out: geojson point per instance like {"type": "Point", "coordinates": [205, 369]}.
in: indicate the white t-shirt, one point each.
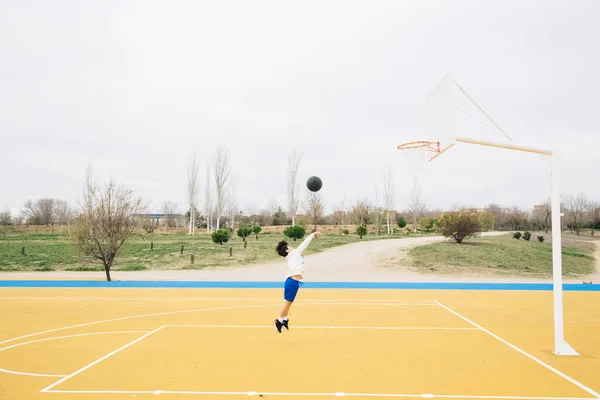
{"type": "Point", "coordinates": [295, 259]}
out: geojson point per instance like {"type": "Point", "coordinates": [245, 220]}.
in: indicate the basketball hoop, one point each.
{"type": "Point", "coordinates": [416, 152]}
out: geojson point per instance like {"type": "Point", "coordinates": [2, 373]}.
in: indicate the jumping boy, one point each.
{"type": "Point", "coordinates": [294, 275]}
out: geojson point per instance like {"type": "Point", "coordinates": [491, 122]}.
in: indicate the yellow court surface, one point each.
{"type": "Point", "coordinates": [130, 343]}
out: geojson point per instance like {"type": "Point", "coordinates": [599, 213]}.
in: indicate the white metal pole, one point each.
{"type": "Point", "coordinates": [561, 347]}
{"type": "Point", "coordinates": [510, 146]}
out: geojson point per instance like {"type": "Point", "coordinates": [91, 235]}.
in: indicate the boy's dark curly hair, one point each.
{"type": "Point", "coordinates": [281, 248]}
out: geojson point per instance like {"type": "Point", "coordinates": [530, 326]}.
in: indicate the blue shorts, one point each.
{"type": "Point", "coordinates": [290, 290]}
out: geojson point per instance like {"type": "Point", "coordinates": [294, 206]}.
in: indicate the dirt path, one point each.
{"type": "Point", "coordinates": [358, 262]}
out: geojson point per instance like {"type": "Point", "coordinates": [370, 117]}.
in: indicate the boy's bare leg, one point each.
{"type": "Point", "coordinates": [285, 309]}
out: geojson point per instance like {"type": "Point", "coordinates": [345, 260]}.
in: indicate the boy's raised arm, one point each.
{"type": "Point", "coordinates": [307, 241]}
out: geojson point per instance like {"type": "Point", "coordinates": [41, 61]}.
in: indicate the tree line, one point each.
{"type": "Point", "coordinates": [109, 214]}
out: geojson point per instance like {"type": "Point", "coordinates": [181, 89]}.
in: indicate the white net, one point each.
{"type": "Point", "coordinates": [417, 159]}
{"type": "Point", "coordinates": [418, 154]}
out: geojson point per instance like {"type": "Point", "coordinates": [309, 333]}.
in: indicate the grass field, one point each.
{"type": "Point", "coordinates": [497, 255]}
{"type": "Point", "coordinates": [46, 252]}
{"type": "Point", "coordinates": [503, 255]}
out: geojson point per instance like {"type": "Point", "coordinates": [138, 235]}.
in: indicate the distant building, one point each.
{"type": "Point", "coordinates": [178, 220]}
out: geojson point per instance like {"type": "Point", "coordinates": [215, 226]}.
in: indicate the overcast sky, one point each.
{"type": "Point", "coordinates": [135, 87]}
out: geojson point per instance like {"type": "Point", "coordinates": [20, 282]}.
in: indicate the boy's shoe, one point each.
{"type": "Point", "coordinates": [285, 324]}
{"type": "Point", "coordinates": [277, 324]}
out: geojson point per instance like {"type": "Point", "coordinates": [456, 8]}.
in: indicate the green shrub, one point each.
{"type": "Point", "coordinates": [346, 232]}
{"type": "Point", "coordinates": [540, 239]}
{"type": "Point", "coordinates": [401, 222]}
{"type": "Point", "coordinates": [459, 225]}
{"type": "Point", "coordinates": [244, 232]}
{"type": "Point", "coordinates": [221, 236]}
{"type": "Point", "coordinates": [295, 232]}
{"type": "Point", "coordinates": [517, 235]}
{"type": "Point", "coordinates": [361, 231]}
{"type": "Point", "coordinates": [256, 229]}
{"type": "Point", "coordinates": [527, 235]}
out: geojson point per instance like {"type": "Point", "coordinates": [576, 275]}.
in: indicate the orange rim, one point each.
{"type": "Point", "coordinates": [426, 145]}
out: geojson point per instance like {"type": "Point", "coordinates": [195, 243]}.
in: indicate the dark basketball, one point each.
{"type": "Point", "coordinates": [314, 184]}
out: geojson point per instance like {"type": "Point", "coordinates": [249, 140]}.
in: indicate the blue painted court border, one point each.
{"type": "Point", "coordinates": [307, 285]}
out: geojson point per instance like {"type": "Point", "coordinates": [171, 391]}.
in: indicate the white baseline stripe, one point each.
{"type": "Point", "coordinates": [218, 299]}
{"type": "Point", "coordinates": [537, 360]}
{"type": "Point", "coordinates": [370, 304]}
{"type": "Point", "coordinates": [314, 394]}
{"type": "Point", "coordinates": [400, 328]}
{"type": "Point", "coordinates": [101, 359]}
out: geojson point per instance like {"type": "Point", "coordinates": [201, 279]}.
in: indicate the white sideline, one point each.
{"type": "Point", "coordinates": [399, 328]}
{"type": "Point", "coordinates": [537, 360]}
{"type": "Point", "coordinates": [217, 299]}
{"type": "Point", "coordinates": [314, 394]}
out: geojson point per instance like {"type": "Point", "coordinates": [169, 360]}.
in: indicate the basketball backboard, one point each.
{"type": "Point", "coordinates": [440, 118]}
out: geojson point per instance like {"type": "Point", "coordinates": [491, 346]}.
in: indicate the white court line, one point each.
{"type": "Point", "coordinates": [101, 359]}
{"type": "Point", "coordinates": [399, 328]}
{"type": "Point", "coordinates": [139, 316]}
{"type": "Point", "coordinates": [217, 299]}
{"type": "Point", "coordinates": [8, 371]}
{"type": "Point", "coordinates": [197, 310]}
{"type": "Point", "coordinates": [314, 394]}
{"type": "Point", "coordinates": [369, 304]}
{"type": "Point", "coordinates": [68, 336]}
{"type": "Point", "coordinates": [537, 360]}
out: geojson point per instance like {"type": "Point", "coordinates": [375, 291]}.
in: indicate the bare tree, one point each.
{"type": "Point", "coordinates": [389, 176]}
{"type": "Point", "coordinates": [576, 211]}
{"type": "Point", "coordinates": [170, 210]}
{"type": "Point", "coordinates": [361, 211]}
{"type": "Point", "coordinates": [593, 211]}
{"type": "Point", "coordinates": [314, 207]}
{"type": "Point", "coordinates": [208, 199]}
{"type": "Point", "coordinates": [6, 218]}
{"type": "Point", "coordinates": [46, 211]}
{"type": "Point", "coordinates": [62, 212]}
{"type": "Point", "coordinates": [292, 184]}
{"type": "Point", "coordinates": [31, 214]}
{"type": "Point", "coordinates": [542, 213]}
{"type": "Point", "coordinates": [222, 176]}
{"type": "Point", "coordinates": [516, 217]}
{"type": "Point", "coordinates": [339, 214]}
{"type": "Point", "coordinates": [232, 208]}
{"type": "Point", "coordinates": [265, 217]}
{"type": "Point", "coordinates": [377, 210]}
{"type": "Point", "coordinates": [40, 212]}
{"type": "Point", "coordinates": [417, 207]}
{"type": "Point", "coordinates": [107, 219]}
{"type": "Point", "coordinates": [192, 192]}
{"type": "Point", "coordinates": [500, 214]}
